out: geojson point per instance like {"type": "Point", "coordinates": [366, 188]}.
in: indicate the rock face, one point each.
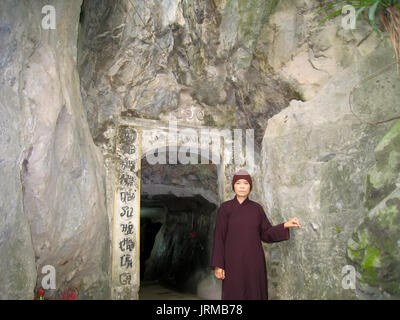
{"type": "Point", "coordinates": [191, 56]}
{"type": "Point", "coordinates": [316, 157]}
{"type": "Point", "coordinates": [375, 246]}
{"type": "Point", "coordinates": [17, 262]}
{"type": "Point", "coordinates": [316, 154]}
{"type": "Point", "coordinates": [311, 93]}
{"type": "Point", "coordinates": [180, 180]}
{"type": "Point", "coordinates": [53, 195]}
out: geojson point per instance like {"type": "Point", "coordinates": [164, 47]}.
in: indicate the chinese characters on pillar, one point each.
{"type": "Point", "coordinates": [125, 251]}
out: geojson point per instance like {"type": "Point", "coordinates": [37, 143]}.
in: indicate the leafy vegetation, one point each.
{"type": "Point", "coordinates": [389, 11]}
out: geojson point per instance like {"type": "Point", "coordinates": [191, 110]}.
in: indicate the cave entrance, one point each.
{"type": "Point", "coordinates": [177, 213]}
{"type": "Point", "coordinates": [178, 203]}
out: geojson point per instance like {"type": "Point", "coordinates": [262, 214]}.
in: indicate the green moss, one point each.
{"type": "Point", "coordinates": [370, 262]}
{"type": "Point", "coordinates": [364, 240]}
{"type": "Point", "coordinates": [374, 248]}
{"type": "Point", "coordinates": [389, 138]}
{"type": "Point", "coordinates": [354, 255]}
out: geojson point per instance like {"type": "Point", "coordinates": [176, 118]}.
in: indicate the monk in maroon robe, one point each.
{"type": "Point", "coordinates": [237, 255]}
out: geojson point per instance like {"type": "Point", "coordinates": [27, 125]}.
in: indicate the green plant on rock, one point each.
{"type": "Point", "coordinates": [389, 11]}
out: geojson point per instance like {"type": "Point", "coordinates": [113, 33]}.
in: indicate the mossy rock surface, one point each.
{"type": "Point", "coordinates": [384, 176]}
{"type": "Point", "coordinates": [375, 246]}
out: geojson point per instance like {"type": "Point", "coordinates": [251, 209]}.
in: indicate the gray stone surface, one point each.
{"type": "Point", "coordinates": [315, 158]}
{"type": "Point", "coordinates": [374, 247]}
{"type": "Point", "coordinates": [265, 65]}
{"type": "Point", "coordinates": [241, 63]}
{"type": "Point", "coordinates": [17, 262]}
{"type": "Point", "coordinates": [53, 189]}
{"type": "Point", "coordinates": [191, 53]}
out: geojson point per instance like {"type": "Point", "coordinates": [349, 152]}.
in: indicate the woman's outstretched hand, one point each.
{"type": "Point", "coordinates": [292, 223]}
{"type": "Point", "coordinates": [219, 273]}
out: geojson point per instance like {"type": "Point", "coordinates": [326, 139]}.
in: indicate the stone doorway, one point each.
{"type": "Point", "coordinates": [177, 213]}
{"type": "Point", "coordinates": [184, 206]}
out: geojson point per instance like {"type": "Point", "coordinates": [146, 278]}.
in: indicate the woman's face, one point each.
{"type": "Point", "coordinates": [242, 187]}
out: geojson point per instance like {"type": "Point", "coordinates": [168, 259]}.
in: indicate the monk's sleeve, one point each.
{"type": "Point", "coordinates": [271, 233]}
{"type": "Point", "coordinates": [218, 251]}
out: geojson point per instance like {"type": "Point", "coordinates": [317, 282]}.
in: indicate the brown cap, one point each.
{"type": "Point", "coordinates": [241, 174]}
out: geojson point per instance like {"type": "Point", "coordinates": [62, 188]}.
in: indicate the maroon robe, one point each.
{"type": "Point", "coordinates": [239, 230]}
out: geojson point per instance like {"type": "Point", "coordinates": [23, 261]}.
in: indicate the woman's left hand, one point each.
{"type": "Point", "coordinates": [292, 223]}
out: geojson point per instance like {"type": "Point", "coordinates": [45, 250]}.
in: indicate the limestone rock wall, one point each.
{"type": "Point", "coordinates": [53, 188]}
{"type": "Point", "coordinates": [374, 247]}
{"type": "Point", "coordinates": [316, 156]}
{"type": "Point", "coordinates": [186, 60]}
{"type": "Point", "coordinates": [237, 64]}
{"type": "Point", "coordinates": [17, 257]}
{"type": "Point", "coordinates": [181, 180]}
{"type": "Point", "coordinates": [310, 93]}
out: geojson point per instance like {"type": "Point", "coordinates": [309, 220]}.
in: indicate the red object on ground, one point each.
{"type": "Point", "coordinates": [69, 295]}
